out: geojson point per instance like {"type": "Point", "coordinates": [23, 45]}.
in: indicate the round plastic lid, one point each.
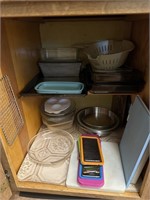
{"type": "Point", "coordinates": [56, 105]}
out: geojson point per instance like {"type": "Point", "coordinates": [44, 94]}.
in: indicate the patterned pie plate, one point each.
{"type": "Point", "coordinates": [51, 148]}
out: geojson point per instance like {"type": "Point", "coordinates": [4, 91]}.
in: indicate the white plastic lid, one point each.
{"type": "Point", "coordinates": [56, 105]}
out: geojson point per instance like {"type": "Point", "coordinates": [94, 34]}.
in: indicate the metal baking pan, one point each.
{"type": "Point", "coordinates": [50, 87]}
{"type": "Point", "coordinates": [116, 88]}
{"type": "Point", "coordinates": [60, 69]}
{"type": "Point", "coordinates": [123, 75]}
{"type": "Point", "coordinates": [97, 120]}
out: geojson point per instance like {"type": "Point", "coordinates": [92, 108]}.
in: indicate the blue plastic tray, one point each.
{"type": "Point", "coordinates": [53, 87]}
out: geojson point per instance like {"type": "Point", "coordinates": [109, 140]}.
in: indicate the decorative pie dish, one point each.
{"type": "Point", "coordinates": [51, 148]}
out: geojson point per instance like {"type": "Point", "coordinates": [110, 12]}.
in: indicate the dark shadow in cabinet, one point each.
{"type": "Point", "coordinates": [123, 80]}
{"type": "Point", "coordinates": [49, 196]}
{"type": "Point", "coordinates": [120, 106]}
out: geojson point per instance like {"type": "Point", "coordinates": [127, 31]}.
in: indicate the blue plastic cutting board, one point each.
{"type": "Point", "coordinates": [135, 139]}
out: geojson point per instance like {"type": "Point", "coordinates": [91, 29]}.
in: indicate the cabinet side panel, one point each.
{"type": "Point", "coordinates": [140, 60]}
{"type": "Point", "coordinates": [140, 37]}
{"type": "Point", "coordinates": [16, 152]}
{"type": "Point", "coordinates": [24, 46]}
{"type": "Point", "coordinates": [31, 107]}
{"type": "Point", "coordinates": [19, 146]}
{"type": "Point", "coordinates": [144, 192]}
{"type": "Point", "coordinates": [24, 43]}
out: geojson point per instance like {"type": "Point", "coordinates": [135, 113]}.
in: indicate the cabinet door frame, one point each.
{"type": "Point", "coordinates": [10, 8]}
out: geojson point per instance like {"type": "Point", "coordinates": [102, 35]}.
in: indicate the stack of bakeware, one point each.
{"type": "Point", "coordinates": [121, 80]}
{"type": "Point", "coordinates": [96, 120]}
{"type": "Point", "coordinates": [58, 112]}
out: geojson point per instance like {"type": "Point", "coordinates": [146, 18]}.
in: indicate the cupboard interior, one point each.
{"type": "Point", "coordinates": [22, 39]}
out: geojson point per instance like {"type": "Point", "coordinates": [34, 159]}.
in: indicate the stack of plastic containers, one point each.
{"type": "Point", "coordinates": [91, 161]}
{"type": "Point", "coordinates": [58, 112]}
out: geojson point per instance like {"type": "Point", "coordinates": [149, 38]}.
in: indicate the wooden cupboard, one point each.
{"type": "Point", "coordinates": [27, 26]}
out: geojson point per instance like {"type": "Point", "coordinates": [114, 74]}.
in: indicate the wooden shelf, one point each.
{"type": "Point", "coordinates": [101, 87]}
{"type": "Point", "coordinates": [30, 91]}
{"type": "Point", "coordinates": [63, 190]}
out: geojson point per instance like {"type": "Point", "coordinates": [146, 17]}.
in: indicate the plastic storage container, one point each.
{"type": "Point", "coordinates": [63, 119]}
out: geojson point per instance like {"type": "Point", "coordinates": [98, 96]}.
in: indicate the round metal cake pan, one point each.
{"type": "Point", "coordinates": [97, 120]}
{"type": "Point", "coordinates": [97, 117]}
